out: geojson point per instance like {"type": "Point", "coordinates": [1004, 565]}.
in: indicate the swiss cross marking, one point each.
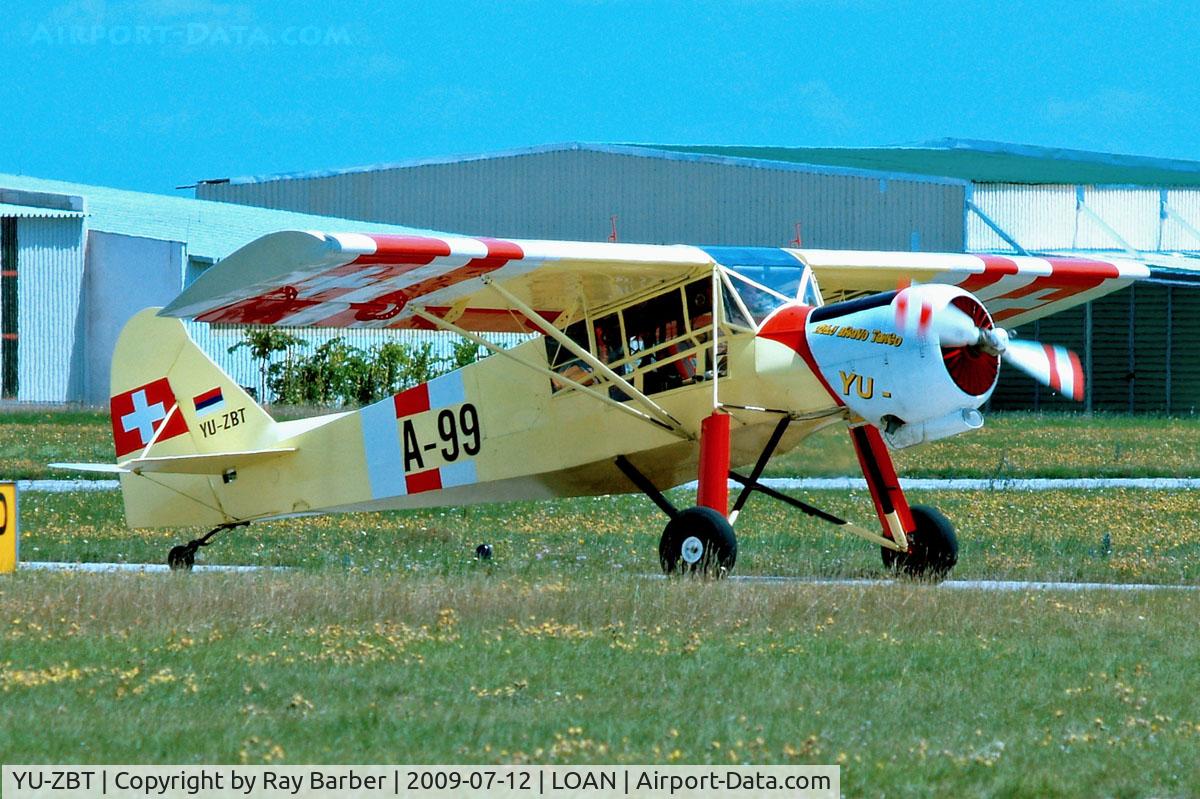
{"type": "Point", "coordinates": [143, 417]}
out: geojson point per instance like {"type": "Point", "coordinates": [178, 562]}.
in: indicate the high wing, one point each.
{"type": "Point", "coordinates": [351, 280]}
{"type": "Point", "coordinates": [1015, 289]}
{"type": "Point", "coordinates": [354, 280]}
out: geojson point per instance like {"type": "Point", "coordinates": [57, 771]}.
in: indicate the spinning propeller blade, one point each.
{"type": "Point", "coordinates": [1050, 365]}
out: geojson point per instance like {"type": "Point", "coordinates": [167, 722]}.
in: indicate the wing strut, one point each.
{"type": "Point", "coordinates": [154, 438]}
{"type": "Point", "coordinates": [442, 324]}
{"type": "Point", "coordinates": [623, 385]}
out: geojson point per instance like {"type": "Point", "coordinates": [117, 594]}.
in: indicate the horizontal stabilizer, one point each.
{"type": "Point", "coordinates": [208, 463]}
{"type": "Point", "coordinates": [101, 468]}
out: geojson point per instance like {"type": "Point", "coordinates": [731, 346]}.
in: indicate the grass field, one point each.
{"type": "Point", "coordinates": [915, 690]}
{"type": "Point", "coordinates": [387, 641]}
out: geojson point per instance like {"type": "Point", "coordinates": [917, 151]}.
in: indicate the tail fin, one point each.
{"type": "Point", "coordinates": [170, 403]}
{"type": "Point", "coordinates": [167, 392]}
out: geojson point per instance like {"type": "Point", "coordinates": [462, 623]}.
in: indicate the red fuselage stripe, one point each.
{"type": "Point", "coordinates": [423, 481]}
{"type": "Point", "coordinates": [414, 400]}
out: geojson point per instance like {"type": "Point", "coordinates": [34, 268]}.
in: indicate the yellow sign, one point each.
{"type": "Point", "coordinates": [9, 528]}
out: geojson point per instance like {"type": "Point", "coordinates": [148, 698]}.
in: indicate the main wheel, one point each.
{"type": "Point", "coordinates": [181, 558]}
{"type": "Point", "coordinates": [698, 540]}
{"type": "Point", "coordinates": [932, 548]}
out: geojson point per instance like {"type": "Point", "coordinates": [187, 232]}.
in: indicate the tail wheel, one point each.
{"type": "Point", "coordinates": [698, 540]}
{"type": "Point", "coordinates": [932, 547]}
{"type": "Point", "coordinates": [181, 558]}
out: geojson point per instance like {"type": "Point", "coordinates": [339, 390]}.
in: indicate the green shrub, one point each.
{"type": "Point", "coordinates": [338, 373]}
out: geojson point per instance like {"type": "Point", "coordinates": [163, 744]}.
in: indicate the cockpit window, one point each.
{"type": "Point", "coordinates": [758, 302]}
{"type": "Point", "coordinates": [810, 293]}
{"type": "Point", "coordinates": [563, 361]}
{"type": "Point", "coordinates": [785, 280]}
{"type": "Point", "coordinates": [786, 284]}
{"type": "Point", "coordinates": [609, 344]}
{"type": "Point", "coordinates": [697, 296]}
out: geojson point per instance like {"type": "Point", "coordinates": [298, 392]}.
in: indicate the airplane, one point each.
{"type": "Point", "coordinates": [646, 367]}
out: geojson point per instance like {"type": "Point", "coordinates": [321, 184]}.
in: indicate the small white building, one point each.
{"type": "Point", "coordinates": [77, 261]}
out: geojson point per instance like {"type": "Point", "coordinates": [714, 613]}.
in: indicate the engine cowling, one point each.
{"type": "Point", "coordinates": [878, 357]}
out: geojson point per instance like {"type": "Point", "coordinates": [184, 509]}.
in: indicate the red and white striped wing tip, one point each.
{"type": "Point", "coordinates": [1050, 365]}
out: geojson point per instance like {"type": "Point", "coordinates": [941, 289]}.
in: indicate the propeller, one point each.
{"type": "Point", "coordinates": [1051, 365]}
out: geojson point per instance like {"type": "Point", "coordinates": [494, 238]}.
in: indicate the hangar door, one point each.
{"type": "Point", "coordinates": [8, 308]}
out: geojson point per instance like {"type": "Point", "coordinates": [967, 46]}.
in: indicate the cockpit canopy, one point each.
{"type": "Point", "coordinates": [767, 277]}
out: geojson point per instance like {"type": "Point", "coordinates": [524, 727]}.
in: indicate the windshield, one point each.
{"type": "Point", "coordinates": [767, 277]}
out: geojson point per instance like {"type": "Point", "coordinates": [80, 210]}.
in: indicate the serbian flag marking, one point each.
{"type": "Point", "coordinates": [210, 401]}
{"type": "Point", "coordinates": [137, 414]}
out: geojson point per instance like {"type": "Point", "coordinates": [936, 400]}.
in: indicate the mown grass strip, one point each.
{"type": "Point", "coordinates": [915, 691]}
{"type": "Point", "coordinates": [1101, 536]}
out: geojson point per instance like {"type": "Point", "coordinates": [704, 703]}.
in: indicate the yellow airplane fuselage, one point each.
{"type": "Point", "coordinates": [488, 432]}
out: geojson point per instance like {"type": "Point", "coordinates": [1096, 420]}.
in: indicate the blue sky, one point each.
{"type": "Point", "coordinates": [150, 94]}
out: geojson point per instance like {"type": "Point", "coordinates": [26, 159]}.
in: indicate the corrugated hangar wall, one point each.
{"type": "Point", "coordinates": [51, 274]}
{"type": "Point", "coordinates": [1140, 356]}
{"type": "Point", "coordinates": [572, 194]}
{"type": "Point", "coordinates": [1137, 344]}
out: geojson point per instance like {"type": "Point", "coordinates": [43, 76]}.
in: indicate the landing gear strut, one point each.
{"type": "Point", "coordinates": [183, 556]}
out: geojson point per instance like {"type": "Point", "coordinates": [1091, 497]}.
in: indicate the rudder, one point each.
{"type": "Point", "coordinates": [165, 389]}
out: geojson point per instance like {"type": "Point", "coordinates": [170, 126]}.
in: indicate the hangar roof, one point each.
{"type": "Point", "coordinates": [940, 161]}
{"type": "Point", "coordinates": [36, 212]}
{"type": "Point", "coordinates": [977, 161]}
{"type": "Point", "coordinates": [210, 229]}
{"type": "Point", "coordinates": [670, 153]}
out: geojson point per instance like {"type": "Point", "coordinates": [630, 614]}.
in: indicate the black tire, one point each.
{"type": "Point", "coordinates": [181, 558]}
{"type": "Point", "coordinates": [711, 546]}
{"type": "Point", "coordinates": [932, 548]}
